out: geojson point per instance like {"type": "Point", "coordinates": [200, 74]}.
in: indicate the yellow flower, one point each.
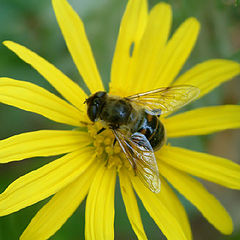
{"type": "Point", "coordinates": [90, 164]}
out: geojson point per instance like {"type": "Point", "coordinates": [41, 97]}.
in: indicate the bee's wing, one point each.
{"type": "Point", "coordinates": [140, 154]}
{"type": "Point", "coordinates": [164, 100]}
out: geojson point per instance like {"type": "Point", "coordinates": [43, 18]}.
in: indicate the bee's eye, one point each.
{"type": "Point", "coordinates": [92, 112]}
{"type": "Point", "coordinates": [96, 101]}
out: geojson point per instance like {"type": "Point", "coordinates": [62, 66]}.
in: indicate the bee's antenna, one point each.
{"type": "Point", "coordinates": [101, 130]}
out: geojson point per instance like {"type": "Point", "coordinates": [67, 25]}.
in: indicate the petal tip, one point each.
{"type": "Point", "coordinates": [6, 43]}
{"type": "Point", "coordinates": [163, 7]}
{"type": "Point", "coordinates": [228, 228]}
{"type": "Point", "coordinates": [164, 4]}
{"type": "Point", "coordinates": [238, 67]}
{"type": "Point", "coordinates": [195, 21]}
{"type": "Point", "coordinates": [9, 44]}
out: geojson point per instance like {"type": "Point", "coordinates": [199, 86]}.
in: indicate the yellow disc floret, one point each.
{"type": "Point", "coordinates": [106, 150]}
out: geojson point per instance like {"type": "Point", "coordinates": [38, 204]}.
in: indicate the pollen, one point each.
{"type": "Point", "coordinates": [106, 150]}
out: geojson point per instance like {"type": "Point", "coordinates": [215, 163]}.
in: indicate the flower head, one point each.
{"type": "Point", "coordinates": [145, 59]}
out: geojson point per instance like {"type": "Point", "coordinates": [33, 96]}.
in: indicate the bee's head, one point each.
{"type": "Point", "coordinates": [95, 104]}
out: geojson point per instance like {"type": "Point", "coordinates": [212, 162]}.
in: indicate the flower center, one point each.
{"type": "Point", "coordinates": [106, 150]}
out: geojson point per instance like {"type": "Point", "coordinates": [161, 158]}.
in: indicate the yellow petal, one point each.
{"type": "Point", "coordinates": [45, 181]}
{"type": "Point", "coordinates": [212, 168]}
{"type": "Point", "coordinates": [146, 58]}
{"type": "Point", "coordinates": [171, 201]}
{"type": "Point", "coordinates": [176, 52]}
{"type": "Point", "coordinates": [164, 218]}
{"type": "Point", "coordinates": [131, 30]}
{"type": "Point", "coordinates": [210, 74]}
{"type": "Point", "coordinates": [100, 205]}
{"type": "Point", "coordinates": [203, 121]}
{"type": "Point", "coordinates": [41, 143]}
{"type": "Point", "coordinates": [69, 89]}
{"type": "Point", "coordinates": [194, 191]}
{"type": "Point", "coordinates": [131, 205]}
{"type": "Point", "coordinates": [30, 97]}
{"type": "Point", "coordinates": [62, 205]}
{"type": "Point", "coordinates": [74, 34]}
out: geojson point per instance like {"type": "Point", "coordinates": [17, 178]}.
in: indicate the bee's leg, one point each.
{"type": "Point", "coordinates": [106, 164]}
{"type": "Point", "coordinates": [134, 168]}
{"type": "Point", "coordinates": [101, 130]}
{"type": "Point", "coordinates": [114, 141]}
{"type": "Point", "coordinates": [84, 123]}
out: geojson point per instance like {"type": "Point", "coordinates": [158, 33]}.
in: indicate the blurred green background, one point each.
{"type": "Point", "coordinates": [33, 24]}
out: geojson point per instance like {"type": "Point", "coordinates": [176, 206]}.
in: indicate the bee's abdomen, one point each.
{"type": "Point", "coordinates": [153, 130]}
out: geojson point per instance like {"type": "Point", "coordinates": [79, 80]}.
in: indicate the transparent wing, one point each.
{"type": "Point", "coordinates": [165, 100]}
{"type": "Point", "coordinates": [140, 154]}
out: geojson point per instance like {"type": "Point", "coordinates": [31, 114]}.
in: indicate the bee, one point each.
{"type": "Point", "coordinates": [135, 123]}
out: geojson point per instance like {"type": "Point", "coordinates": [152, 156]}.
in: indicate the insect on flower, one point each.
{"type": "Point", "coordinates": [135, 123]}
{"type": "Point", "coordinates": [126, 127]}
